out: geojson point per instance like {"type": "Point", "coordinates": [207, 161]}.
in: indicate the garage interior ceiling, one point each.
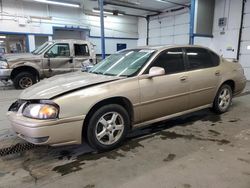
{"type": "Point", "coordinates": [130, 7]}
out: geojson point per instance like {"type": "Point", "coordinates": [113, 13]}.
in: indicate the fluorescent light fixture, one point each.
{"type": "Point", "coordinates": [248, 47]}
{"type": "Point", "coordinates": [111, 12]}
{"type": "Point", "coordinates": [58, 3]}
{"type": "Point", "coordinates": [1, 41]}
{"type": "Point", "coordinates": [2, 37]}
{"type": "Point", "coordinates": [98, 11]}
{"type": "Point", "coordinates": [162, 1]}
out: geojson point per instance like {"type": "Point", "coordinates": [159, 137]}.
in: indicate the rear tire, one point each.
{"type": "Point", "coordinates": [24, 80]}
{"type": "Point", "coordinates": [223, 99]}
{"type": "Point", "coordinates": [108, 127]}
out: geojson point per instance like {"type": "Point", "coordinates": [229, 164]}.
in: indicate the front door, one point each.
{"type": "Point", "coordinates": [57, 60]}
{"type": "Point", "coordinates": [167, 94]}
{"type": "Point", "coordinates": [203, 76]}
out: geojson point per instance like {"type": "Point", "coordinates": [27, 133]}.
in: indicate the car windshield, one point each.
{"type": "Point", "coordinates": [126, 63]}
{"type": "Point", "coordinates": [41, 48]}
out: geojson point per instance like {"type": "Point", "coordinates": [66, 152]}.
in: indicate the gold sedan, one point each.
{"type": "Point", "coordinates": [128, 89]}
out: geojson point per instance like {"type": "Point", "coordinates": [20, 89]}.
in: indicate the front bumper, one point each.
{"type": "Point", "coordinates": [58, 132]}
{"type": "Point", "coordinates": [5, 74]}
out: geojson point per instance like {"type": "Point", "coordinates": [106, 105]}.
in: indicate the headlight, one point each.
{"type": "Point", "coordinates": [41, 111]}
{"type": "Point", "coordinates": [4, 65]}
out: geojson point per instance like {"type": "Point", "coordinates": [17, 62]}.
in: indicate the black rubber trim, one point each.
{"type": "Point", "coordinates": [84, 87]}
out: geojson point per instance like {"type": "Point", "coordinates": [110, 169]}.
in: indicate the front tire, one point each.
{"type": "Point", "coordinates": [223, 99]}
{"type": "Point", "coordinates": [108, 127]}
{"type": "Point", "coordinates": [24, 80]}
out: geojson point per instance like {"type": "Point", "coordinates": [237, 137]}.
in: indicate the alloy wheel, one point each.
{"type": "Point", "coordinates": [109, 128]}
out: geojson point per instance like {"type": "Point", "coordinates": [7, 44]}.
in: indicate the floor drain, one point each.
{"type": "Point", "coordinates": [17, 148]}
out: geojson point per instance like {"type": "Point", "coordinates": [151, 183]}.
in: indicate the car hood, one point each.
{"type": "Point", "coordinates": [19, 57]}
{"type": "Point", "coordinates": [60, 84]}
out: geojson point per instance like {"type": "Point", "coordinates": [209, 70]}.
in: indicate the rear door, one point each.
{"type": "Point", "coordinates": [82, 55]}
{"type": "Point", "coordinates": [58, 60]}
{"type": "Point", "coordinates": [167, 94]}
{"type": "Point", "coordinates": [203, 75]}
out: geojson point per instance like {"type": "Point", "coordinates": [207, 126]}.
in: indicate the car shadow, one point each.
{"type": "Point", "coordinates": [139, 134]}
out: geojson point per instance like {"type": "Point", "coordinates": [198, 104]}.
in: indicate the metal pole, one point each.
{"type": "Point", "coordinates": [102, 28]}
{"type": "Point", "coordinates": [192, 17]}
{"type": "Point", "coordinates": [241, 28]}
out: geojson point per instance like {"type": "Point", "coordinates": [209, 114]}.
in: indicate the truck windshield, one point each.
{"type": "Point", "coordinates": [126, 63]}
{"type": "Point", "coordinates": [41, 48]}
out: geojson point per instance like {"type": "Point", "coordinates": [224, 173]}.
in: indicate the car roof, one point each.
{"type": "Point", "coordinates": [71, 40]}
{"type": "Point", "coordinates": [162, 47]}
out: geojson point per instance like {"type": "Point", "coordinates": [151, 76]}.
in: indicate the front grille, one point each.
{"type": "Point", "coordinates": [16, 105]}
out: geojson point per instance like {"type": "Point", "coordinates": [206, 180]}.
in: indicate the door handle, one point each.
{"type": "Point", "coordinates": [183, 78]}
{"type": "Point", "coordinates": [217, 73]}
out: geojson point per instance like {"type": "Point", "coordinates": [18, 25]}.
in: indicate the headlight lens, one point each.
{"type": "Point", "coordinates": [41, 111]}
{"type": "Point", "coordinates": [4, 65]}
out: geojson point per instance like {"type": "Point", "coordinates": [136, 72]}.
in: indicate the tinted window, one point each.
{"type": "Point", "coordinates": [171, 60]}
{"type": "Point", "coordinates": [215, 59]}
{"type": "Point", "coordinates": [61, 50]}
{"type": "Point", "coordinates": [198, 58]}
{"type": "Point", "coordinates": [81, 50]}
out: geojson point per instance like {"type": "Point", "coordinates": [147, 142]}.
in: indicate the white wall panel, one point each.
{"type": "Point", "coordinates": [167, 40]}
{"type": "Point", "coordinates": [245, 44]}
{"type": "Point", "coordinates": [181, 29]}
{"type": "Point", "coordinates": [110, 44]}
{"type": "Point", "coordinates": [167, 21]}
{"type": "Point", "coordinates": [181, 39]}
{"type": "Point", "coordinates": [169, 28]}
{"type": "Point", "coordinates": [203, 41]}
{"type": "Point", "coordinates": [155, 41]}
{"type": "Point", "coordinates": [156, 32]}
{"type": "Point", "coordinates": [246, 33]}
{"type": "Point", "coordinates": [167, 31]}
{"type": "Point", "coordinates": [154, 24]}
{"type": "Point", "coordinates": [245, 61]}
{"type": "Point", "coordinates": [182, 19]}
{"type": "Point", "coordinates": [40, 20]}
{"type": "Point", "coordinates": [245, 48]}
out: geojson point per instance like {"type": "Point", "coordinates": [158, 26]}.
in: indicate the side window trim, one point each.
{"type": "Point", "coordinates": [163, 51]}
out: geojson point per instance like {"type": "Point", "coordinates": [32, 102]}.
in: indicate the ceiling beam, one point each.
{"type": "Point", "coordinates": [174, 3]}
{"type": "Point", "coordinates": [120, 4]}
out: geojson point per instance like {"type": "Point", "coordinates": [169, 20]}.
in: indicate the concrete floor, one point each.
{"type": "Point", "coordinates": [200, 150]}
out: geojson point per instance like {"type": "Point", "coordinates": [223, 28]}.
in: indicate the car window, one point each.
{"type": "Point", "coordinates": [124, 63]}
{"type": "Point", "coordinates": [171, 60]}
{"type": "Point", "coordinates": [81, 50]}
{"type": "Point", "coordinates": [59, 50]}
{"type": "Point", "coordinates": [215, 58]}
{"type": "Point", "coordinates": [198, 58]}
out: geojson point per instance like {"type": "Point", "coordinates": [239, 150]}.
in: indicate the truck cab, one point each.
{"type": "Point", "coordinates": [51, 58]}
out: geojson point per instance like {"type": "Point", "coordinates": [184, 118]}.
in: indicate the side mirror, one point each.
{"type": "Point", "coordinates": [156, 71]}
{"type": "Point", "coordinates": [49, 55]}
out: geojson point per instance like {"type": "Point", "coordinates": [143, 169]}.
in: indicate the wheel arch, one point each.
{"type": "Point", "coordinates": [123, 101]}
{"type": "Point", "coordinates": [229, 82]}
{"type": "Point", "coordinates": [24, 68]}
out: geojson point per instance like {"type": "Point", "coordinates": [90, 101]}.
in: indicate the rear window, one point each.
{"type": "Point", "coordinates": [81, 50]}
{"type": "Point", "coordinates": [215, 58]}
{"type": "Point", "coordinates": [199, 58]}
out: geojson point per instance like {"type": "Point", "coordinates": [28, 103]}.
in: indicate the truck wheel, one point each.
{"type": "Point", "coordinates": [108, 127]}
{"type": "Point", "coordinates": [24, 80]}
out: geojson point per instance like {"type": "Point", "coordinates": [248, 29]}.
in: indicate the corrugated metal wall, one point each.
{"type": "Point", "coordinates": [171, 28]}
{"type": "Point", "coordinates": [245, 41]}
